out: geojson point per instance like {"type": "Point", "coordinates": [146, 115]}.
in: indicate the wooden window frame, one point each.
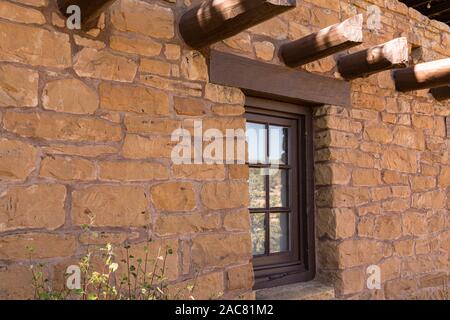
{"type": "Point", "coordinates": [299, 264]}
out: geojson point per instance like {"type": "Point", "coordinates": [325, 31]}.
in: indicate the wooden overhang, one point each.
{"type": "Point", "coordinates": [433, 9]}
{"type": "Point", "coordinates": [271, 81]}
{"type": "Point", "coordinates": [423, 76]}
{"type": "Point", "coordinates": [213, 21]}
{"type": "Point", "coordinates": [441, 93]}
{"type": "Point", "coordinates": [326, 42]}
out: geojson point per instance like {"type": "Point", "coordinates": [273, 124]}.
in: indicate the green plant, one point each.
{"type": "Point", "coordinates": [143, 278]}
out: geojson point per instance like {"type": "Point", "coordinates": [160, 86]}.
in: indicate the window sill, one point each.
{"type": "Point", "coordinates": [311, 290]}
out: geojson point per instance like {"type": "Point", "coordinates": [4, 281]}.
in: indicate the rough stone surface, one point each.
{"type": "Point", "coordinates": [86, 120]}
{"type": "Point", "coordinates": [18, 87]}
{"type": "Point", "coordinates": [17, 159]}
{"type": "Point", "coordinates": [71, 96]}
{"type": "Point", "coordinates": [111, 206]}
{"type": "Point", "coordinates": [38, 206]}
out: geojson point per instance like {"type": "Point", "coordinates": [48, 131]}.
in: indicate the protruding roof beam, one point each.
{"type": "Point", "coordinates": [441, 93]}
{"type": "Point", "coordinates": [423, 76]}
{"type": "Point", "coordinates": [390, 55]}
{"type": "Point", "coordinates": [216, 20]}
{"type": "Point", "coordinates": [326, 42]}
{"type": "Point", "coordinates": [90, 9]}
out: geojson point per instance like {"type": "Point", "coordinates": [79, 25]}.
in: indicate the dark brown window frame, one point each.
{"type": "Point", "coordinates": [299, 264]}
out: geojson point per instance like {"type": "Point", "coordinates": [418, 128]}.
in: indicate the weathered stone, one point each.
{"type": "Point", "coordinates": [193, 66]}
{"type": "Point", "coordinates": [414, 224]}
{"type": "Point", "coordinates": [429, 200]}
{"type": "Point", "coordinates": [103, 238]}
{"type": "Point", "coordinates": [38, 206]}
{"type": "Point", "coordinates": [65, 168]}
{"type": "Point", "coordinates": [85, 42]}
{"type": "Point", "coordinates": [444, 177]}
{"type": "Point", "coordinates": [24, 44]}
{"type": "Point", "coordinates": [69, 95]}
{"type": "Point", "coordinates": [150, 125]}
{"type": "Point", "coordinates": [400, 288]}
{"type": "Point", "coordinates": [351, 281]}
{"type": "Point", "coordinates": [18, 87]}
{"type": "Point", "coordinates": [218, 250]}
{"type": "Point", "coordinates": [409, 138]}
{"type": "Point", "coordinates": [16, 247]}
{"type": "Point", "coordinates": [399, 160]}
{"type": "Point", "coordinates": [36, 3]}
{"type": "Point", "coordinates": [17, 159]}
{"type": "Point", "coordinates": [172, 51]}
{"type": "Point", "coordinates": [144, 18]}
{"type": "Point", "coordinates": [337, 139]}
{"type": "Point", "coordinates": [142, 46]}
{"type": "Point", "coordinates": [388, 227]}
{"type": "Point", "coordinates": [132, 171]}
{"type": "Point", "coordinates": [352, 253]}
{"type": "Point", "coordinates": [378, 133]}
{"type": "Point", "coordinates": [237, 221]}
{"type": "Point", "coordinates": [227, 110]}
{"type": "Point", "coordinates": [84, 151]}
{"type": "Point", "coordinates": [104, 65]}
{"type": "Point", "coordinates": [20, 14]}
{"type": "Point", "coordinates": [240, 277]}
{"type": "Point", "coordinates": [133, 99]}
{"type": "Point", "coordinates": [420, 183]}
{"type": "Point", "coordinates": [155, 67]}
{"type": "Point", "coordinates": [205, 287]}
{"type": "Point", "coordinates": [16, 280]}
{"type": "Point", "coordinates": [241, 42]}
{"type": "Point", "coordinates": [110, 206]}
{"type": "Point", "coordinates": [264, 50]}
{"type": "Point", "coordinates": [51, 126]}
{"type": "Point", "coordinates": [221, 94]}
{"type": "Point", "coordinates": [326, 174]}
{"type": "Point", "coordinates": [199, 172]}
{"type": "Point", "coordinates": [189, 107]}
{"type": "Point", "coordinates": [224, 195]}
{"type": "Point", "coordinates": [178, 87]}
{"type": "Point", "coordinates": [137, 147]}
{"type": "Point", "coordinates": [336, 223]}
{"type": "Point", "coordinates": [366, 177]}
{"type": "Point", "coordinates": [174, 196]}
{"type": "Point", "coordinates": [176, 224]}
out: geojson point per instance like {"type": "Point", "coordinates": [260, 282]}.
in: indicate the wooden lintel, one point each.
{"type": "Point", "coordinates": [326, 42]}
{"type": "Point", "coordinates": [423, 76]}
{"type": "Point", "coordinates": [90, 9]}
{"type": "Point", "coordinates": [213, 20]}
{"type": "Point", "coordinates": [277, 82]}
{"type": "Point", "coordinates": [390, 55]}
{"type": "Point", "coordinates": [441, 93]}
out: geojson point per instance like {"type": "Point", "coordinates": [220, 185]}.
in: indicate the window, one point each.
{"type": "Point", "coordinates": [279, 137]}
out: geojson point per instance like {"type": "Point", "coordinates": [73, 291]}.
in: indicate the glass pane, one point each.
{"type": "Point", "coordinates": [279, 232]}
{"type": "Point", "coordinates": [257, 188]}
{"type": "Point", "coordinates": [278, 144]}
{"type": "Point", "coordinates": [257, 143]}
{"type": "Point", "coordinates": [278, 188]}
{"type": "Point", "coordinates": [258, 233]}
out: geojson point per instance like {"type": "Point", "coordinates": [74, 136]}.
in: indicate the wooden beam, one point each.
{"type": "Point", "coordinates": [441, 93]}
{"type": "Point", "coordinates": [90, 9]}
{"type": "Point", "coordinates": [390, 55]}
{"type": "Point", "coordinates": [326, 42]}
{"type": "Point", "coordinates": [423, 76]}
{"type": "Point", "coordinates": [275, 82]}
{"type": "Point", "coordinates": [216, 20]}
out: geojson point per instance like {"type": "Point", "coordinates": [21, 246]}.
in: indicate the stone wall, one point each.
{"type": "Point", "coordinates": [85, 124]}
